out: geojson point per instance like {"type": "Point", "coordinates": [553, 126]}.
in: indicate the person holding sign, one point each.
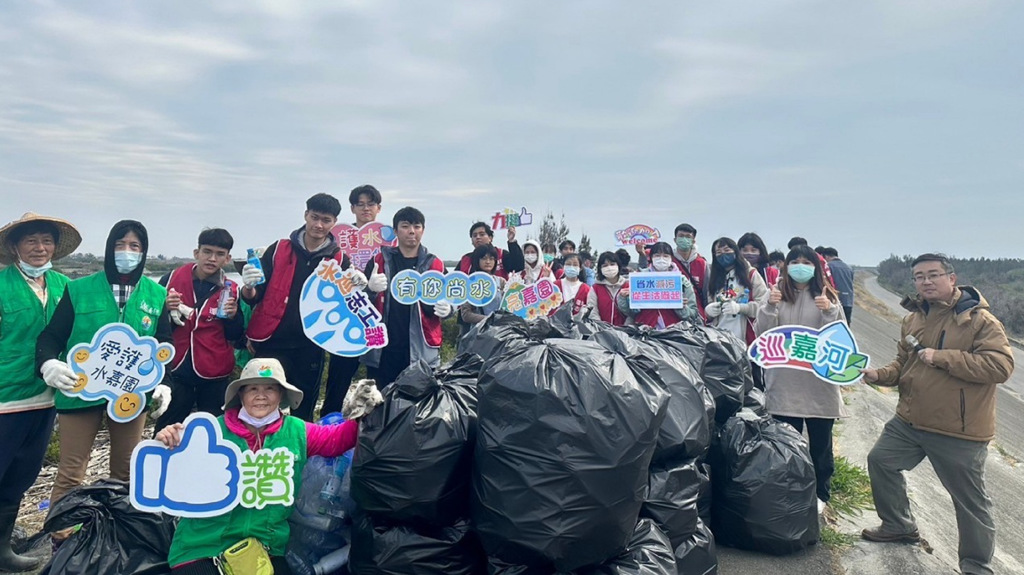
{"type": "Point", "coordinates": [573, 289]}
{"type": "Point", "coordinates": [736, 290]}
{"type": "Point", "coordinates": [275, 329]}
{"type": "Point", "coordinates": [510, 260]}
{"type": "Point", "coordinates": [803, 297]}
{"type": "Point", "coordinates": [660, 318]}
{"type": "Point", "coordinates": [254, 422]}
{"type": "Point", "coordinates": [414, 331]}
{"type": "Point", "coordinates": [29, 292]}
{"type": "Point", "coordinates": [118, 294]}
{"type": "Point", "coordinates": [484, 259]}
{"type": "Point", "coordinates": [604, 296]}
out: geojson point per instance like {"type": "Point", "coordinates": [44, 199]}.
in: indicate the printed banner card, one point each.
{"type": "Point", "coordinates": [830, 353]}
{"type": "Point", "coordinates": [361, 244]}
{"type": "Point", "coordinates": [457, 288]}
{"type": "Point", "coordinates": [120, 366]}
{"type": "Point", "coordinates": [510, 218]}
{"type": "Point", "coordinates": [208, 475]}
{"type": "Point", "coordinates": [656, 290]}
{"type": "Point", "coordinates": [337, 315]}
{"type": "Point", "coordinates": [532, 301]}
{"type": "Point", "coordinates": [637, 234]}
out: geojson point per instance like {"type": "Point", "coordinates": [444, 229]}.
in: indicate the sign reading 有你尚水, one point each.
{"type": "Point", "coordinates": [830, 352]}
{"type": "Point", "coordinates": [456, 288]}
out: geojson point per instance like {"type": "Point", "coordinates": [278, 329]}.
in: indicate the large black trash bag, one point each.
{"type": "Point", "coordinates": [381, 548]}
{"type": "Point", "coordinates": [697, 555]}
{"type": "Point", "coordinates": [755, 401]}
{"type": "Point", "coordinates": [115, 538]}
{"type": "Point", "coordinates": [764, 488]}
{"type": "Point", "coordinates": [502, 331]}
{"type": "Point", "coordinates": [584, 326]}
{"type": "Point", "coordinates": [672, 497]}
{"type": "Point", "coordinates": [649, 553]}
{"type": "Point", "coordinates": [567, 431]}
{"type": "Point", "coordinates": [412, 462]}
{"type": "Point", "coordinates": [704, 494]}
{"type": "Point", "coordinates": [685, 433]}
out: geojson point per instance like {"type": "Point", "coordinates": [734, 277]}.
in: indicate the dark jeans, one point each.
{"type": "Point", "coordinates": [23, 440]}
{"type": "Point", "coordinates": [339, 377]}
{"type": "Point", "coordinates": [303, 366]}
{"type": "Point", "coordinates": [849, 314]}
{"type": "Point", "coordinates": [819, 436]}
{"type": "Point", "coordinates": [188, 390]}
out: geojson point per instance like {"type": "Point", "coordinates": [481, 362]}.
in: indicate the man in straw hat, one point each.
{"type": "Point", "coordinates": [29, 292]}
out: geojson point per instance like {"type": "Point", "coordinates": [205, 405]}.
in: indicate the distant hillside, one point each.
{"type": "Point", "coordinates": [1000, 281]}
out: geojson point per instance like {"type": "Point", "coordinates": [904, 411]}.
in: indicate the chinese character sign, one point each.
{"type": "Point", "coordinates": [532, 301]}
{"type": "Point", "coordinates": [337, 315]}
{"type": "Point", "coordinates": [830, 353]}
{"type": "Point", "coordinates": [510, 218]}
{"type": "Point", "coordinates": [457, 288]}
{"type": "Point", "coordinates": [361, 244]}
{"type": "Point", "coordinates": [656, 290]}
{"type": "Point", "coordinates": [207, 475]}
{"type": "Point", "coordinates": [637, 234]}
{"type": "Point", "coordinates": [120, 366]}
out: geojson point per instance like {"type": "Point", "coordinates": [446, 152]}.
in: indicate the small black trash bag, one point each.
{"type": "Point", "coordinates": [567, 431]}
{"type": "Point", "coordinates": [697, 555]}
{"type": "Point", "coordinates": [672, 498]}
{"type": "Point", "coordinates": [686, 432]}
{"type": "Point", "coordinates": [764, 488]}
{"type": "Point", "coordinates": [381, 548]}
{"type": "Point", "coordinates": [412, 462]}
{"type": "Point", "coordinates": [501, 331]}
{"type": "Point", "coordinates": [115, 538]}
{"type": "Point", "coordinates": [648, 553]}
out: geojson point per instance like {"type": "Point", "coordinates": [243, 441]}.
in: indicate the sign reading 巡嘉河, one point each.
{"type": "Point", "coordinates": [830, 352]}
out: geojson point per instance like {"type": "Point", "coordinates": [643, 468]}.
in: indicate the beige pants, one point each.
{"type": "Point", "coordinates": [78, 432]}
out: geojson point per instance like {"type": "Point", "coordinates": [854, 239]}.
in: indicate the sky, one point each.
{"type": "Point", "coordinates": [876, 127]}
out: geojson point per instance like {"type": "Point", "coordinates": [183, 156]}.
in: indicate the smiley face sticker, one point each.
{"type": "Point", "coordinates": [128, 405]}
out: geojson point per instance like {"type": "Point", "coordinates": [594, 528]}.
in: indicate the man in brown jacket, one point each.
{"type": "Point", "coordinates": [947, 376]}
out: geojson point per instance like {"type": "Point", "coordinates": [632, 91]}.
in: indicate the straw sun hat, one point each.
{"type": "Point", "coordinates": [262, 370]}
{"type": "Point", "coordinates": [67, 242]}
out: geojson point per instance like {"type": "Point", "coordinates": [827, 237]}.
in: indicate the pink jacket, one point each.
{"type": "Point", "coordinates": [323, 440]}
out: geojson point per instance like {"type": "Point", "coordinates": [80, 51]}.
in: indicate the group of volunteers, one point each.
{"type": "Point", "coordinates": [945, 412]}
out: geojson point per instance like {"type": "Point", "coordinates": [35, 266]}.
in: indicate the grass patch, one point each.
{"type": "Point", "coordinates": [836, 540]}
{"type": "Point", "coordinates": [851, 488]}
{"type": "Point", "coordinates": [1006, 455]}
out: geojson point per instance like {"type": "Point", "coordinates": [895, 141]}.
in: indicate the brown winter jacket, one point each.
{"type": "Point", "coordinates": [956, 396]}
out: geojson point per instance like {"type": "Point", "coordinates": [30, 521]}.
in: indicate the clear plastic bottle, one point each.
{"type": "Point", "coordinates": [225, 293]}
{"type": "Point", "coordinates": [254, 260]}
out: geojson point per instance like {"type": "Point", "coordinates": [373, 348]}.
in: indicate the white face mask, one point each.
{"type": "Point", "coordinates": [261, 421]}
{"type": "Point", "coordinates": [662, 263]}
{"type": "Point", "coordinates": [33, 271]}
{"type": "Point", "coordinates": [530, 258]}
{"type": "Point", "coordinates": [126, 261]}
{"type": "Point", "coordinates": [610, 271]}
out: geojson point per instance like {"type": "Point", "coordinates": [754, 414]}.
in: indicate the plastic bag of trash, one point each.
{"type": "Point", "coordinates": [413, 458]}
{"type": "Point", "coordinates": [567, 431]}
{"type": "Point", "coordinates": [381, 548]}
{"type": "Point", "coordinates": [685, 433]}
{"type": "Point", "coordinates": [697, 555]}
{"type": "Point", "coordinates": [501, 331]}
{"type": "Point", "coordinates": [672, 496]}
{"type": "Point", "coordinates": [115, 537]}
{"type": "Point", "coordinates": [764, 487]}
{"type": "Point", "coordinates": [648, 553]}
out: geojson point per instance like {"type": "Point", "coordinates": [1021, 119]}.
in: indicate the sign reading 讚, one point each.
{"type": "Point", "coordinates": [457, 288]}
{"type": "Point", "coordinates": [830, 352]}
{"type": "Point", "coordinates": [120, 366]}
{"type": "Point", "coordinates": [337, 315]}
{"type": "Point", "coordinates": [656, 290]}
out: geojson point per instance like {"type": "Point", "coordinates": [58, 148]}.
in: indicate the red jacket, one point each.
{"type": "Point", "coordinates": [606, 308]}
{"type": "Point", "coordinates": [466, 264]}
{"type": "Point", "coordinates": [203, 333]}
{"type": "Point", "coordinates": [578, 302]}
{"type": "Point", "coordinates": [697, 273]}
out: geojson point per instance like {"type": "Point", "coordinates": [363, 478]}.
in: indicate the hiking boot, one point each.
{"type": "Point", "coordinates": [9, 560]}
{"type": "Point", "coordinates": [878, 536]}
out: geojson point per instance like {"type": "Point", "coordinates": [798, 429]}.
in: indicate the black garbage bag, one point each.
{"type": "Point", "coordinates": [584, 326]}
{"type": "Point", "coordinates": [755, 401]}
{"type": "Point", "coordinates": [704, 494]}
{"type": "Point", "coordinates": [764, 488]}
{"type": "Point", "coordinates": [697, 555]}
{"type": "Point", "coordinates": [115, 538]}
{"type": "Point", "coordinates": [412, 462]}
{"type": "Point", "coordinates": [648, 553]}
{"type": "Point", "coordinates": [672, 497]}
{"type": "Point", "coordinates": [567, 431]}
{"type": "Point", "coordinates": [501, 331]}
{"type": "Point", "coordinates": [685, 433]}
{"type": "Point", "coordinates": [383, 548]}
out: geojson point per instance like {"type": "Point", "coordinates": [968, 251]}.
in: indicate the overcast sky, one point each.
{"type": "Point", "coordinates": [876, 127]}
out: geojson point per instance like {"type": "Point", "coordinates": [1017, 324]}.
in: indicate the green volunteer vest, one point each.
{"type": "Point", "coordinates": [209, 536]}
{"type": "Point", "coordinates": [93, 301]}
{"type": "Point", "coordinates": [23, 317]}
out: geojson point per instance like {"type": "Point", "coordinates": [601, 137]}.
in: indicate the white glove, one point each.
{"type": "Point", "coordinates": [181, 314]}
{"type": "Point", "coordinates": [251, 275]}
{"type": "Point", "coordinates": [58, 375]}
{"type": "Point", "coordinates": [730, 308]}
{"type": "Point", "coordinates": [161, 401]}
{"type": "Point", "coordinates": [362, 397]}
{"type": "Point", "coordinates": [713, 309]}
{"type": "Point", "coordinates": [377, 282]}
{"type": "Point", "coordinates": [442, 309]}
{"type": "Point", "coordinates": [357, 277]}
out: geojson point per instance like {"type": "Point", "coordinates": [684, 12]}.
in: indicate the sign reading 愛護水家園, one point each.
{"type": "Point", "coordinates": [830, 352]}
{"type": "Point", "coordinates": [656, 290]}
{"type": "Point", "coordinates": [207, 475]}
{"type": "Point", "coordinates": [456, 288]}
{"type": "Point", "coordinates": [510, 218]}
{"type": "Point", "coordinates": [361, 244]}
{"type": "Point", "coordinates": [120, 366]}
{"type": "Point", "coordinates": [531, 301]}
{"type": "Point", "coordinates": [637, 234]}
{"type": "Point", "coordinates": [337, 315]}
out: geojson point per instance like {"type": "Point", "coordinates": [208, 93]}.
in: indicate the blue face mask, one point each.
{"type": "Point", "coordinates": [34, 271]}
{"type": "Point", "coordinates": [726, 260]}
{"type": "Point", "coordinates": [800, 273]}
{"type": "Point", "coordinates": [548, 258]}
{"type": "Point", "coordinates": [126, 262]}
{"type": "Point", "coordinates": [571, 271]}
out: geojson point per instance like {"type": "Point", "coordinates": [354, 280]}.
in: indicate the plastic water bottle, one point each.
{"type": "Point", "coordinates": [224, 295]}
{"type": "Point", "coordinates": [331, 496]}
{"type": "Point", "coordinates": [254, 260]}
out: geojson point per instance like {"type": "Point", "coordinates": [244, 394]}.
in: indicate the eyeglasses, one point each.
{"type": "Point", "coordinates": [930, 278]}
{"type": "Point", "coordinates": [366, 205]}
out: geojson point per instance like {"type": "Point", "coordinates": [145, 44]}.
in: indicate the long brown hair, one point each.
{"type": "Point", "coordinates": [818, 284]}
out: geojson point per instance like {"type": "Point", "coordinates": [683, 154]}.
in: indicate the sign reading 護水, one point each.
{"type": "Point", "coordinates": [361, 244]}
{"type": "Point", "coordinates": [656, 290]}
{"type": "Point", "coordinates": [457, 288]}
{"type": "Point", "coordinates": [830, 352]}
{"type": "Point", "coordinates": [337, 315]}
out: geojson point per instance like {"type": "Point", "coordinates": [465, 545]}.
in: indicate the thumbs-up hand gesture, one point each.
{"type": "Point", "coordinates": [823, 303]}
{"type": "Point", "coordinates": [775, 296]}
